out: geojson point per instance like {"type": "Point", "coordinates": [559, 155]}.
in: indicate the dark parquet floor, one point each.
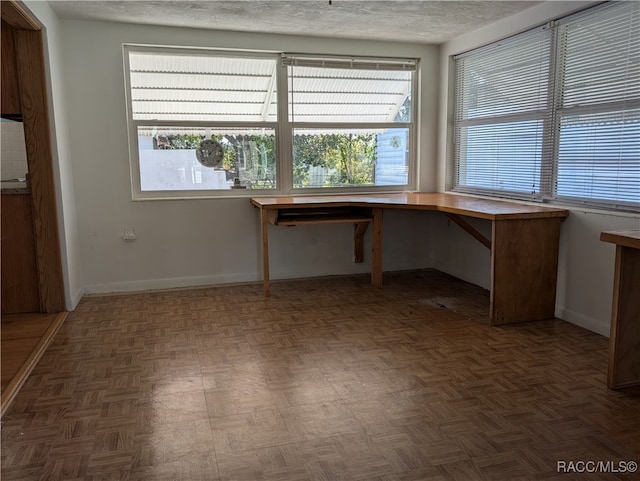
{"type": "Point", "coordinates": [330, 379]}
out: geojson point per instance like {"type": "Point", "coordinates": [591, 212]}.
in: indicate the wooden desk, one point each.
{"type": "Point", "coordinates": [524, 240]}
{"type": "Point", "coordinates": [624, 339]}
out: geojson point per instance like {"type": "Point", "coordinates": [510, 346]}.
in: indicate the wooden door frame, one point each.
{"type": "Point", "coordinates": [32, 83]}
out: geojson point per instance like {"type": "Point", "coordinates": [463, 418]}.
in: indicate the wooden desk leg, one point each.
{"type": "Point", "coordinates": [376, 248]}
{"type": "Point", "coordinates": [359, 228]}
{"type": "Point", "coordinates": [264, 226]}
{"type": "Point", "coordinates": [524, 265]}
{"type": "Point", "coordinates": [624, 341]}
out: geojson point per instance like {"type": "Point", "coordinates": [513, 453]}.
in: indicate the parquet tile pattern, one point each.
{"type": "Point", "coordinates": [329, 379]}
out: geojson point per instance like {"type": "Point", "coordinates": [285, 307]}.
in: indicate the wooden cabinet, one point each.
{"type": "Point", "coordinates": [20, 292]}
{"type": "Point", "coordinates": [10, 106]}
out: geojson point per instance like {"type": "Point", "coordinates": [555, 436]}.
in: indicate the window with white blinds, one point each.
{"type": "Point", "coordinates": [349, 90]}
{"type": "Point", "coordinates": [598, 106]}
{"type": "Point", "coordinates": [554, 113]}
{"type": "Point", "coordinates": [201, 121]}
{"type": "Point", "coordinates": [502, 99]}
{"type": "Point", "coordinates": [209, 122]}
{"type": "Point", "coordinates": [351, 121]}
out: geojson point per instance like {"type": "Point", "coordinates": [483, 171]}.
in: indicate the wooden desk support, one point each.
{"type": "Point", "coordinates": [624, 339]}
{"type": "Point", "coordinates": [524, 245]}
{"type": "Point", "coordinates": [360, 217]}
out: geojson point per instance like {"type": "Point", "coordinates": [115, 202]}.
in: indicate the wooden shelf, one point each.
{"type": "Point", "coordinates": [328, 219]}
{"type": "Point", "coordinates": [331, 215]}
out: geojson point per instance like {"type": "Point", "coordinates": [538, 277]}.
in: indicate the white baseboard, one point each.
{"type": "Point", "coordinates": [169, 283]}
{"type": "Point", "coordinates": [75, 298]}
{"type": "Point", "coordinates": [594, 325]}
{"type": "Point", "coordinates": [213, 280]}
{"type": "Point", "coordinates": [586, 322]}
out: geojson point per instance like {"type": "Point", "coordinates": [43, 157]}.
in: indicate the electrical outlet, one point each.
{"type": "Point", "coordinates": [129, 234]}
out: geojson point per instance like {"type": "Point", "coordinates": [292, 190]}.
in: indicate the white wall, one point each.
{"type": "Point", "coordinates": [191, 242]}
{"type": "Point", "coordinates": [65, 194]}
{"type": "Point", "coordinates": [585, 280]}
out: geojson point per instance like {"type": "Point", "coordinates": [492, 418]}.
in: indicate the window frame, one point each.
{"type": "Point", "coordinates": [132, 128]}
{"type": "Point", "coordinates": [282, 127]}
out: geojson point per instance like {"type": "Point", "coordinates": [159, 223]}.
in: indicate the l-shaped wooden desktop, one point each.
{"type": "Point", "coordinates": [524, 240]}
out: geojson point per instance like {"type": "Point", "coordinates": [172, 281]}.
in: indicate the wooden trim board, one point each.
{"type": "Point", "coordinates": [33, 96]}
{"type": "Point", "coordinates": [21, 376]}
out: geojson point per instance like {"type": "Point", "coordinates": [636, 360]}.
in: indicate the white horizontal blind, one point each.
{"type": "Point", "coordinates": [349, 90]}
{"type": "Point", "coordinates": [175, 86]}
{"type": "Point", "coordinates": [598, 110]}
{"type": "Point", "coordinates": [365, 63]}
{"type": "Point", "coordinates": [585, 148]}
{"type": "Point", "coordinates": [501, 107]}
{"type": "Point", "coordinates": [351, 121]}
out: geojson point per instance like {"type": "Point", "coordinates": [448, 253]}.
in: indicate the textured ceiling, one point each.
{"type": "Point", "coordinates": [395, 20]}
